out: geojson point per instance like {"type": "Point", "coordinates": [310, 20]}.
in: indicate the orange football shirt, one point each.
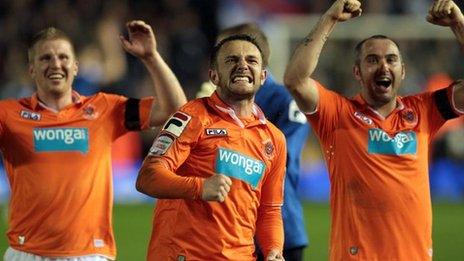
{"type": "Point", "coordinates": [203, 138]}
{"type": "Point", "coordinates": [378, 167]}
{"type": "Point", "coordinates": [59, 171]}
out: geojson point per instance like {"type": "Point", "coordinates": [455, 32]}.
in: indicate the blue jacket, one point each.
{"type": "Point", "coordinates": [280, 108]}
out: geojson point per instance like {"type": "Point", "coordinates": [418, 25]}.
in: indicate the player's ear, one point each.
{"type": "Point", "coordinates": [357, 72]}
{"type": "Point", "coordinates": [213, 76]}
{"type": "Point", "coordinates": [403, 71]}
{"type": "Point", "coordinates": [75, 68]}
{"type": "Point", "coordinates": [263, 76]}
{"type": "Point", "coordinates": [31, 70]}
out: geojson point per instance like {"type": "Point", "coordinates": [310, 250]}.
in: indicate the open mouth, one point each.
{"type": "Point", "coordinates": [384, 82]}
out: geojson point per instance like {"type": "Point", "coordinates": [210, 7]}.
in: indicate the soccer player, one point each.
{"type": "Point", "coordinates": [280, 108]}
{"type": "Point", "coordinates": [217, 168]}
{"type": "Point", "coordinates": [376, 144]}
{"type": "Point", "coordinates": [57, 145]}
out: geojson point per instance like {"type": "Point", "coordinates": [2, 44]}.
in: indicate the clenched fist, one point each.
{"type": "Point", "coordinates": [444, 13]}
{"type": "Point", "coordinates": [342, 10]}
{"type": "Point", "coordinates": [216, 188]}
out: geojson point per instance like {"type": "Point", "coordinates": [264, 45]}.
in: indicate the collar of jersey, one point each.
{"type": "Point", "coordinates": [228, 113]}
{"type": "Point", "coordinates": [363, 104]}
{"type": "Point", "coordinates": [35, 101]}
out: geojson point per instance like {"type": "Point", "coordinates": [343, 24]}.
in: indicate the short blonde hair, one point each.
{"type": "Point", "coordinates": [50, 33]}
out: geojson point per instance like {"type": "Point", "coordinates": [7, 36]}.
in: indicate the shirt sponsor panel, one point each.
{"type": "Point", "coordinates": [61, 139]}
{"type": "Point", "coordinates": [379, 142]}
{"type": "Point", "coordinates": [240, 166]}
{"type": "Point", "coordinates": [161, 144]}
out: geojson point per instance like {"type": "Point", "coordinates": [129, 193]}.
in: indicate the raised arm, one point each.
{"type": "Point", "coordinates": [169, 93]}
{"type": "Point", "coordinates": [306, 56]}
{"type": "Point", "coordinates": [447, 13]}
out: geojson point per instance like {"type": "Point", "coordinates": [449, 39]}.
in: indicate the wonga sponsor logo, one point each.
{"type": "Point", "coordinates": [61, 139]}
{"type": "Point", "coordinates": [240, 166]}
{"type": "Point", "coordinates": [402, 143]}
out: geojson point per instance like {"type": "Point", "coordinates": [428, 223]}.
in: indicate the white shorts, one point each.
{"type": "Point", "coordinates": [16, 255]}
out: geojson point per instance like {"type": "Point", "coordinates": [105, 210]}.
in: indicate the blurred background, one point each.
{"type": "Point", "coordinates": [185, 31]}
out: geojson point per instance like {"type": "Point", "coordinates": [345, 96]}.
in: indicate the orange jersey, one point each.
{"type": "Point", "coordinates": [204, 138]}
{"type": "Point", "coordinates": [380, 199]}
{"type": "Point", "coordinates": [59, 170]}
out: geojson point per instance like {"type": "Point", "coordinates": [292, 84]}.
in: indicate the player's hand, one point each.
{"type": "Point", "coordinates": [216, 188]}
{"type": "Point", "coordinates": [275, 255]}
{"type": "Point", "coordinates": [342, 10]}
{"type": "Point", "coordinates": [444, 13]}
{"type": "Point", "coordinates": [141, 42]}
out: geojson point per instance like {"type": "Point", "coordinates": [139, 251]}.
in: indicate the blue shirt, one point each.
{"type": "Point", "coordinates": [280, 108]}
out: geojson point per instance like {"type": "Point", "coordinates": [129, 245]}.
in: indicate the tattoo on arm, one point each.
{"type": "Point", "coordinates": [310, 38]}
{"type": "Point", "coordinates": [307, 40]}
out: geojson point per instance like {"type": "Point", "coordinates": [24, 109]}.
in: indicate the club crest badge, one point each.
{"type": "Point", "coordinates": [409, 116]}
{"type": "Point", "coordinates": [90, 113]}
{"type": "Point", "coordinates": [268, 149]}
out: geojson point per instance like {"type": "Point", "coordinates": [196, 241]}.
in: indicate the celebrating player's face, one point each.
{"type": "Point", "coordinates": [239, 72]}
{"type": "Point", "coordinates": [380, 71]}
{"type": "Point", "coordinates": [54, 66]}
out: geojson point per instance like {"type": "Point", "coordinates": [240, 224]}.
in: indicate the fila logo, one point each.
{"type": "Point", "coordinates": [29, 115]}
{"type": "Point", "coordinates": [177, 123]}
{"type": "Point", "coordinates": [363, 118]}
{"type": "Point", "coordinates": [216, 132]}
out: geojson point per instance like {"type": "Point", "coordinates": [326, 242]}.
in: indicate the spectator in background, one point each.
{"type": "Point", "coordinates": [56, 147]}
{"type": "Point", "coordinates": [279, 108]}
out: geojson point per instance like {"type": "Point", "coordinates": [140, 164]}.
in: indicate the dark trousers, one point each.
{"type": "Point", "coordinates": [292, 254]}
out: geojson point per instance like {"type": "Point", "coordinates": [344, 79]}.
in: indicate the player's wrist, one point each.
{"type": "Point", "coordinates": [199, 187]}
{"type": "Point", "coordinates": [152, 57]}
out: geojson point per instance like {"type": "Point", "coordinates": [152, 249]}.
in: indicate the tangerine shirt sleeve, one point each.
{"type": "Point", "coordinates": [325, 118]}
{"type": "Point", "coordinates": [157, 177]}
{"type": "Point", "coordinates": [269, 230]}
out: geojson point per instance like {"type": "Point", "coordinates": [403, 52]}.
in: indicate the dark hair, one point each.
{"type": "Point", "coordinates": [238, 37]}
{"type": "Point", "coordinates": [254, 31]}
{"type": "Point", "coordinates": [50, 33]}
{"type": "Point", "coordinates": [357, 49]}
